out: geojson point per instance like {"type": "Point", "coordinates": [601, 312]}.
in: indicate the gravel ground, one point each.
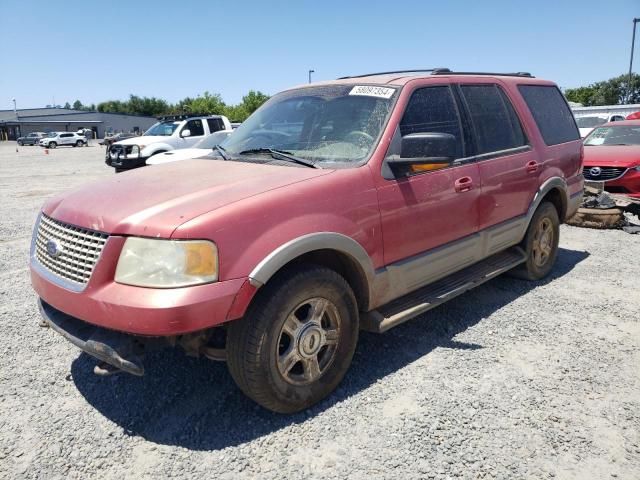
{"type": "Point", "coordinates": [511, 380]}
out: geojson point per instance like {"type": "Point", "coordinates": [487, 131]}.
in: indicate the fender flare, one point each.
{"type": "Point", "coordinates": [552, 183]}
{"type": "Point", "coordinates": [293, 249]}
{"type": "Point", "coordinates": [156, 147]}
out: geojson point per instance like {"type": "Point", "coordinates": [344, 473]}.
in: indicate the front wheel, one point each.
{"type": "Point", "coordinates": [20, 143]}
{"type": "Point", "coordinates": [297, 340]}
{"type": "Point", "coordinates": [540, 243]}
{"type": "Point", "coordinates": [53, 144]}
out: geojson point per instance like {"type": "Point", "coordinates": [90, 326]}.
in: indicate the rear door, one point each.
{"type": "Point", "coordinates": [509, 167]}
{"type": "Point", "coordinates": [66, 138]}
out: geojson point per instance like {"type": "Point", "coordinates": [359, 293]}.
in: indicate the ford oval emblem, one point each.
{"type": "Point", "coordinates": [54, 249]}
{"type": "Point", "coordinates": [595, 171]}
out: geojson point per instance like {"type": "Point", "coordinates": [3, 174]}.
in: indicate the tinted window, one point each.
{"type": "Point", "coordinates": [66, 135]}
{"type": "Point", "coordinates": [215, 124]}
{"type": "Point", "coordinates": [495, 122]}
{"type": "Point", "coordinates": [432, 109]}
{"type": "Point", "coordinates": [196, 128]}
{"type": "Point", "coordinates": [551, 113]}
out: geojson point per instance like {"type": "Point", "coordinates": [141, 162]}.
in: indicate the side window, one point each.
{"type": "Point", "coordinates": [433, 109]}
{"type": "Point", "coordinates": [617, 118]}
{"type": "Point", "coordinates": [495, 122]}
{"type": "Point", "coordinates": [196, 128]}
{"type": "Point", "coordinates": [66, 135]}
{"type": "Point", "coordinates": [551, 113]}
{"type": "Point", "coordinates": [215, 124]}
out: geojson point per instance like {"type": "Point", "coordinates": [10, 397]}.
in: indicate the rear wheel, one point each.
{"type": "Point", "coordinates": [296, 342]}
{"type": "Point", "coordinates": [540, 243]}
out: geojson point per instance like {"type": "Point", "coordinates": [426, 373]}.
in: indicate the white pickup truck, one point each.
{"type": "Point", "coordinates": [170, 133]}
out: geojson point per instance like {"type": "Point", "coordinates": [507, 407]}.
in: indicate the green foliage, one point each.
{"type": "Point", "coordinates": [207, 103]}
{"type": "Point", "coordinates": [614, 91]}
{"type": "Point", "coordinates": [67, 106]}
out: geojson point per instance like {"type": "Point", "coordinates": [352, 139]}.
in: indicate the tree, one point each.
{"type": "Point", "coordinates": [77, 105]}
{"type": "Point", "coordinates": [614, 91]}
{"type": "Point", "coordinates": [207, 103]}
{"type": "Point", "coordinates": [252, 100]}
{"type": "Point", "coordinates": [67, 106]}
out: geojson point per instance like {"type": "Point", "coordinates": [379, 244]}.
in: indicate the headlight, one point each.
{"type": "Point", "coordinates": [147, 262]}
{"type": "Point", "coordinates": [135, 151]}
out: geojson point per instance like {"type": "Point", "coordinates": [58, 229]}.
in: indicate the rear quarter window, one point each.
{"type": "Point", "coordinates": [551, 113]}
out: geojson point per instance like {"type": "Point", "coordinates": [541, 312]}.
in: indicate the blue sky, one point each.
{"type": "Point", "coordinates": [95, 51]}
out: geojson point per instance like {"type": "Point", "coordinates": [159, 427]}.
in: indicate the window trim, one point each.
{"type": "Point", "coordinates": [386, 172]}
{"type": "Point", "coordinates": [480, 157]}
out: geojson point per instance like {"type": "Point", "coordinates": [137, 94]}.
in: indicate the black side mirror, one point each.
{"type": "Point", "coordinates": [424, 148]}
{"type": "Point", "coordinates": [427, 147]}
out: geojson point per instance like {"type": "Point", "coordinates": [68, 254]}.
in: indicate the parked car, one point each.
{"type": "Point", "coordinates": [116, 137]}
{"type": "Point", "coordinates": [587, 123]}
{"type": "Point", "coordinates": [170, 133]}
{"type": "Point", "coordinates": [31, 139]}
{"type": "Point", "coordinates": [392, 194]}
{"type": "Point", "coordinates": [57, 139]}
{"type": "Point", "coordinates": [612, 155]}
{"type": "Point", "coordinates": [203, 147]}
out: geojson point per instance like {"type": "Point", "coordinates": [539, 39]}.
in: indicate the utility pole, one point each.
{"type": "Point", "coordinates": [310, 72]}
{"type": "Point", "coordinates": [633, 41]}
{"type": "Point", "coordinates": [15, 110]}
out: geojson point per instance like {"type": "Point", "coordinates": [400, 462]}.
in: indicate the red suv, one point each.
{"type": "Point", "coordinates": [353, 204]}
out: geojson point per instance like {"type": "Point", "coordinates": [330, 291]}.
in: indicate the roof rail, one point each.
{"type": "Point", "coordinates": [415, 70]}
{"type": "Point", "coordinates": [182, 116]}
{"type": "Point", "coordinates": [514, 74]}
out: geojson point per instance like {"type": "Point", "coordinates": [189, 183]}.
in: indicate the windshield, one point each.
{"type": "Point", "coordinates": [589, 122]}
{"type": "Point", "coordinates": [618, 135]}
{"type": "Point", "coordinates": [325, 124]}
{"type": "Point", "coordinates": [163, 129]}
{"type": "Point", "coordinates": [212, 140]}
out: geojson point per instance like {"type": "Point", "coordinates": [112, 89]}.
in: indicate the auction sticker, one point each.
{"type": "Point", "coordinates": [372, 91]}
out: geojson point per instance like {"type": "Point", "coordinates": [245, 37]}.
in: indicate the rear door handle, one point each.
{"type": "Point", "coordinates": [463, 184]}
{"type": "Point", "coordinates": [532, 166]}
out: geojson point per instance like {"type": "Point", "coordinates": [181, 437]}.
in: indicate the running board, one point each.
{"type": "Point", "coordinates": [409, 306]}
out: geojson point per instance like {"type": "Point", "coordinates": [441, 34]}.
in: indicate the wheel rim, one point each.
{"type": "Point", "coordinates": [308, 341]}
{"type": "Point", "coordinates": [542, 242]}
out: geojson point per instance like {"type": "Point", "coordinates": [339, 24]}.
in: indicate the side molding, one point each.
{"type": "Point", "coordinates": [308, 243]}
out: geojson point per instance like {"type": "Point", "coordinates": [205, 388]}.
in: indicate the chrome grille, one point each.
{"type": "Point", "coordinates": [80, 249]}
{"type": "Point", "coordinates": [602, 173]}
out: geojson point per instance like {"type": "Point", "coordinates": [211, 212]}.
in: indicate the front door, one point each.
{"type": "Point", "coordinates": [429, 218]}
{"type": "Point", "coordinates": [196, 130]}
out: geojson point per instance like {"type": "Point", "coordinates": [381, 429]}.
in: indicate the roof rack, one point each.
{"type": "Point", "coordinates": [441, 71]}
{"type": "Point", "coordinates": [444, 71]}
{"type": "Point", "coordinates": [182, 116]}
{"type": "Point", "coordinates": [414, 70]}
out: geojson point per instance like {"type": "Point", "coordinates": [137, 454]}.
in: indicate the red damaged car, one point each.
{"type": "Point", "coordinates": [353, 204]}
{"type": "Point", "coordinates": [612, 155]}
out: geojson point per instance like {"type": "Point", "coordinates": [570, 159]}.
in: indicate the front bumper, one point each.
{"type": "Point", "coordinates": [627, 184]}
{"type": "Point", "coordinates": [114, 348]}
{"type": "Point", "coordinates": [121, 157]}
{"type": "Point", "coordinates": [136, 310]}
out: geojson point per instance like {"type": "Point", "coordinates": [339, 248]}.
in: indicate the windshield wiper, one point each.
{"type": "Point", "coordinates": [281, 155]}
{"type": "Point", "coordinates": [221, 151]}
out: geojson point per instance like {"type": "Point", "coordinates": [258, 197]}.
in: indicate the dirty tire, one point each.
{"type": "Point", "coordinates": [540, 243]}
{"type": "Point", "coordinates": [319, 306]}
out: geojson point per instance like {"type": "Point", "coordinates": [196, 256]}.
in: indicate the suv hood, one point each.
{"type": "Point", "coordinates": [142, 140]}
{"type": "Point", "coordinates": [612, 156]}
{"type": "Point", "coordinates": [154, 201]}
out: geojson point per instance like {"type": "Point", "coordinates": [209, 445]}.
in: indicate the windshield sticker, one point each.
{"type": "Point", "coordinates": [369, 91]}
